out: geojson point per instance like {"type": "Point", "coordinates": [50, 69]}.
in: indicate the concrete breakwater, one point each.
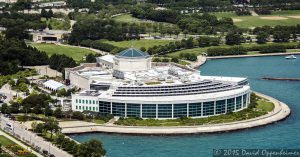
{"type": "Point", "coordinates": [281, 79]}
{"type": "Point", "coordinates": [280, 112]}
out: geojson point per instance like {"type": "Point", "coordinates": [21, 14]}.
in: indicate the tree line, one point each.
{"type": "Point", "coordinates": [192, 23]}
{"type": "Point", "coordinates": [15, 53]}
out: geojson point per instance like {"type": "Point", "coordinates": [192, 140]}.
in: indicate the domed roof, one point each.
{"type": "Point", "coordinates": [132, 53]}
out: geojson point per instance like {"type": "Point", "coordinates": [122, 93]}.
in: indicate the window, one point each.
{"type": "Point", "coordinates": [90, 108]}
{"type": "Point", "coordinates": [79, 101]}
{"type": "Point", "coordinates": [90, 102]}
{"type": "Point", "coordinates": [76, 101]}
{"type": "Point", "coordinates": [133, 110]}
{"type": "Point", "coordinates": [86, 101]}
{"type": "Point", "coordinates": [239, 102]}
{"type": "Point", "coordinates": [180, 110]}
{"type": "Point", "coordinates": [230, 105]}
{"type": "Point", "coordinates": [118, 109]}
{"type": "Point", "coordinates": [79, 107]}
{"type": "Point", "coordinates": [208, 108]}
{"type": "Point", "coordinates": [94, 102]}
{"type": "Point", "coordinates": [76, 107]}
{"type": "Point", "coordinates": [165, 111]}
{"type": "Point", "coordinates": [149, 110]}
{"type": "Point", "coordinates": [104, 107]}
{"type": "Point", "coordinates": [220, 107]}
{"type": "Point", "coordinates": [94, 109]}
{"type": "Point", "coordinates": [195, 109]}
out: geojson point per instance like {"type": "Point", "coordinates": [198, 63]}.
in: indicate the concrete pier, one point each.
{"type": "Point", "coordinates": [280, 112]}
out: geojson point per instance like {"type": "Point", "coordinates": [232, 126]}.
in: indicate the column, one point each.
{"type": "Point", "coordinates": [225, 105]}
{"type": "Point", "coordinates": [141, 110]}
{"type": "Point", "coordinates": [110, 107]}
{"type": "Point", "coordinates": [187, 109]}
{"type": "Point", "coordinates": [125, 110]}
{"type": "Point", "coordinates": [172, 110]}
{"type": "Point", "coordinates": [156, 111]}
{"type": "Point", "coordinates": [242, 101]}
{"type": "Point", "coordinates": [201, 109]}
{"type": "Point", "coordinates": [215, 105]}
{"type": "Point", "coordinates": [235, 104]}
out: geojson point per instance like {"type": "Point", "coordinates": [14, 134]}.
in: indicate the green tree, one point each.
{"type": "Point", "coordinates": [78, 115]}
{"type": "Point", "coordinates": [51, 125]}
{"type": "Point", "coordinates": [175, 59]}
{"type": "Point", "coordinates": [23, 87]}
{"type": "Point", "coordinates": [58, 113]}
{"type": "Point", "coordinates": [48, 111]}
{"type": "Point", "coordinates": [90, 58]}
{"type": "Point", "coordinates": [44, 13]}
{"type": "Point", "coordinates": [5, 109]}
{"type": "Point", "coordinates": [262, 37]}
{"type": "Point", "coordinates": [39, 128]}
{"type": "Point", "coordinates": [49, 14]}
{"type": "Point", "coordinates": [33, 126]}
{"type": "Point", "coordinates": [156, 59]}
{"type": "Point", "coordinates": [233, 39]}
{"type": "Point", "coordinates": [143, 49]}
{"type": "Point", "coordinates": [92, 148]}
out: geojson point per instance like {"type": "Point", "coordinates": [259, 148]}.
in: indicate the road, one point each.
{"type": "Point", "coordinates": [18, 130]}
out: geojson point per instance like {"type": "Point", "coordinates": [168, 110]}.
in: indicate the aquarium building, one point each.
{"type": "Point", "coordinates": [136, 87]}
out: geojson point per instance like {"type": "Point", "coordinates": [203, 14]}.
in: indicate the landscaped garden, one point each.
{"type": "Point", "coordinates": [14, 148]}
{"type": "Point", "coordinates": [258, 107]}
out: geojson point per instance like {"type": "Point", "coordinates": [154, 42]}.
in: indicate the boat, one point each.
{"type": "Point", "coordinates": [291, 57]}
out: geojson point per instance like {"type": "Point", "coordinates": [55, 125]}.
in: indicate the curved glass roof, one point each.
{"type": "Point", "coordinates": [132, 53]}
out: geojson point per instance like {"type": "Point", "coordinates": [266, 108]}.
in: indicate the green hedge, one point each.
{"type": "Point", "coordinates": [242, 50]}
{"type": "Point", "coordinates": [272, 49]}
{"type": "Point", "coordinates": [235, 50]}
{"type": "Point", "coordinates": [98, 44]}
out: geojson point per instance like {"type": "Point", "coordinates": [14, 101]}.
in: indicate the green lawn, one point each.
{"type": "Point", "coordinates": [139, 43]}
{"type": "Point", "coordinates": [58, 24]}
{"type": "Point", "coordinates": [5, 142]}
{"type": "Point", "coordinates": [265, 105]}
{"type": "Point", "coordinates": [255, 21]}
{"type": "Point", "coordinates": [76, 53]}
{"type": "Point", "coordinates": [129, 19]}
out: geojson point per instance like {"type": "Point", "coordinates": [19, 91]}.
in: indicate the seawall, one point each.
{"type": "Point", "coordinates": [280, 112]}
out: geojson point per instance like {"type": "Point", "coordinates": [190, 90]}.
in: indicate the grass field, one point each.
{"type": "Point", "coordinates": [58, 24]}
{"type": "Point", "coordinates": [76, 53]}
{"type": "Point", "coordinates": [265, 105]}
{"type": "Point", "coordinates": [5, 142]}
{"type": "Point", "coordinates": [139, 43]}
{"type": "Point", "coordinates": [129, 19]}
{"type": "Point", "coordinates": [290, 17]}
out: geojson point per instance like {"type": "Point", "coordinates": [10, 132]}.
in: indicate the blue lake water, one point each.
{"type": "Point", "coordinates": [284, 134]}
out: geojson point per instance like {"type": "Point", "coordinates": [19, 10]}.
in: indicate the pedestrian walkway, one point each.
{"type": "Point", "coordinates": [32, 139]}
{"type": "Point", "coordinates": [280, 112]}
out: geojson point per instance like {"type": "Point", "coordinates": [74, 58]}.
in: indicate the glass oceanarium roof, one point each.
{"type": "Point", "coordinates": [132, 53]}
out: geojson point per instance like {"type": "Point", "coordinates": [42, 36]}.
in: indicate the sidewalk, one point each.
{"type": "Point", "coordinates": [32, 139]}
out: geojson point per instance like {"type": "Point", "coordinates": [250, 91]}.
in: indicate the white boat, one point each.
{"type": "Point", "coordinates": [291, 57]}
